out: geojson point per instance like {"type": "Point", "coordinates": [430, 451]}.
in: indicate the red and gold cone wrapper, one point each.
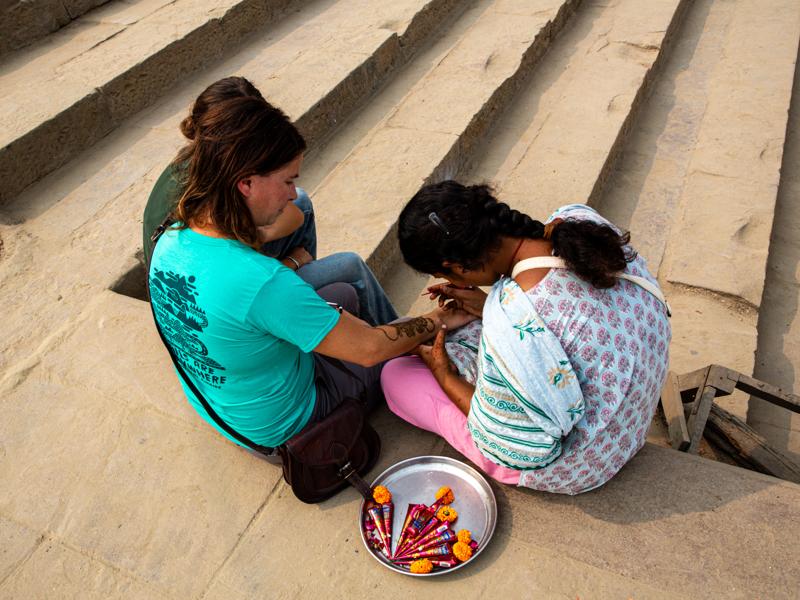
{"type": "Point", "coordinates": [430, 526]}
{"type": "Point", "coordinates": [441, 535]}
{"type": "Point", "coordinates": [413, 537]}
{"type": "Point", "coordinates": [440, 550]}
{"type": "Point", "coordinates": [406, 522]}
{"type": "Point", "coordinates": [387, 512]}
{"type": "Point", "coordinates": [420, 517]}
{"type": "Point", "coordinates": [374, 541]}
{"type": "Point", "coordinates": [376, 514]}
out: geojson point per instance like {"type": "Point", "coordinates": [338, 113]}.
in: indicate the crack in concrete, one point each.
{"type": "Point", "coordinates": [639, 46]}
{"type": "Point", "coordinates": [213, 579]}
{"type": "Point", "coordinates": [738, 303]}
{"type": "Point", "coordinates": [22, 561]}
{"type": "Point", "coordinates": [489, 60]}
{"type": "Point", "coordinates": [711, 174]}
{"type": "Point", "coordinates": [69, 14]}
{"type": "Point", "coordinates": [61, 65]}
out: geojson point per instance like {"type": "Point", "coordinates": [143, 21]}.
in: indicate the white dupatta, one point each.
{"type": "Point", "coordinates": [527, 397]}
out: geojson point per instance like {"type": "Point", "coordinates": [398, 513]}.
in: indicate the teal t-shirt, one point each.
{"type": "Point", "coordinates": [243, 326]}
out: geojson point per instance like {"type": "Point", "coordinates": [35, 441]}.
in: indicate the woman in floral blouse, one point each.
{"type": "Point", "coordinates": [555, 388]}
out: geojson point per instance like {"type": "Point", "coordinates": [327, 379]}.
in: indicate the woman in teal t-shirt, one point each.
{"type": "Point", "coordinates": [292, 239]}
{"type": "Point", "coordinates": [266, 351]}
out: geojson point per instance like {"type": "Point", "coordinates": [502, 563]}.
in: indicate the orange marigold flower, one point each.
{"type": "Point", "coordinates": [446, 513]}
{"type": "Point", "coordinates": [465, 536]}
{"type": "Point", "coordinates": [445, 495]}
{"type": "Point", "coordinates": [422, 565]}
{"type": "Point", "coordinates": [381, 494]}
{"type": "Point", "coordinates": [462, 551]}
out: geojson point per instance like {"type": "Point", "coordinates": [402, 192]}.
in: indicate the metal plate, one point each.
{"type": "Point", "coordinates": [417, 480]}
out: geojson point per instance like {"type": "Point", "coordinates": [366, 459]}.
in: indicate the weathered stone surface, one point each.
{"type": "Point", "coordinates": [778, 351]}
{"type": "Point", "coordinates": [676, 521]}
{"type": "Point", "coordinates": [116, 76]}
{"type": "Point", "coordinates": [18, 543]}
{"type": "Point", "coordinates": [125, 13]}
{"type": "Point", "coordinates": [68, 216]}
{"type": "Point", "coordinates": [138, 497]}
{"type": "Point", "coordinates": [133, 476]}
{"type": "Point", "coordinates": [580, 109]}
{"type": "Point", "coordinates": [425, 136]}
{"type": "Point", "coordinates": [23, 22]}
{"type": "Point", "coordinates": [58, 570]}
{"type": "Point", "coordinates": [729, 198]}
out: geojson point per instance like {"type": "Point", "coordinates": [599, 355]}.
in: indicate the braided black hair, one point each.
{"type": "Point", "coordinates": [461, 224]}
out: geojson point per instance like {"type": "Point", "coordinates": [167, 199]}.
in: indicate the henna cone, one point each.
{"type": "Point", "coordinates": [387, 513]}
{"type": "Point", "coordinates": [437, 537]}
{"type": "Point", "coordinates": [440, 550]}
{"type": "Point", "coordinates": [420, 516]}
{"type": "Point", "coordinates": [406, 522]}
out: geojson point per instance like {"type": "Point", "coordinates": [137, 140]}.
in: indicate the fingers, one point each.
{"type": "Point", "coordinates": [438, 343]}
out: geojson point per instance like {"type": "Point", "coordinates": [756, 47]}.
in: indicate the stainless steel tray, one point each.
{"type": "Point", "coordinates": [417, 480]}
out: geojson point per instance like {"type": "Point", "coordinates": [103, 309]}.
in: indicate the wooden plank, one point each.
{"type": "Point", "coordinates": [699, 415]}
{"type": "Point", "coordinates": [723, 379]}
{"type": "Point", "coordinates": [749, 447]}
{"type": "Point", "coordinates": [693, 380]}
{"type": "Point", "coordinates": [673, 413]}
{"type": "Point", "coordinates": [770, 393]}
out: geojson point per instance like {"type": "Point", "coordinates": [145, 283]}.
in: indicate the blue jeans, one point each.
{"type": "Point", "coordinates": [346, 267]}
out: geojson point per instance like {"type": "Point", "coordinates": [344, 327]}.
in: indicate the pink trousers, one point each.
{"type": "Point", "coordinates": [414, 395]}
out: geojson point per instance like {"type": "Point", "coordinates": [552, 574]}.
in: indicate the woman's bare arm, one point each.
{"type": "Point", "coordinates": [355, 341]}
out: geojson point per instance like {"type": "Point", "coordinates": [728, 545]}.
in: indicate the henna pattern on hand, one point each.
{"type": "Point", "coordinates": [410, 328]}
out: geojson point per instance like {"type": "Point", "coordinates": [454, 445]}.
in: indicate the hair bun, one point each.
{"type": "Point", "coordinates": [188, 128]}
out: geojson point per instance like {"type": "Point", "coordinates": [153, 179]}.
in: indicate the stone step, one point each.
{"type": "Point", "coordinates": [727, 204]}
{"type": "Point", "coordinates": [318, 65]}
{"type": "Point", "coordinates": [23, 22]}
{"type": "Point", "coordinates": [60, 96]}
{"type": "Point", "coordinates": [561, 140]}
{"type": "Point", "coordinates": [432, 132]}
{"type": "Point", "coordinates": [133, 469]}
{"type": "Point", "coordinates": [698, 185]}
{"type": "Point", "coordinates": [778, 352]}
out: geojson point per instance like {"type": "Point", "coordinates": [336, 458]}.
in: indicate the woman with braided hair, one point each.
{"type": "Point", "coordinates": [555, 388]}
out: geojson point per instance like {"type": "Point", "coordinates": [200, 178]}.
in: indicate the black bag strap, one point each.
{"type": "Point", "coordinates": [163, 226]}
{"type": "Point", "coordinates": [211, 412]}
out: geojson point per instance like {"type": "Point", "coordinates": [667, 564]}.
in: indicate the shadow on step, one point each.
{"type": "Point", "coordinates": [132, 283]}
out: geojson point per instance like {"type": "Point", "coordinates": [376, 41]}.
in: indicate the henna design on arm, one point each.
{"type": "Point", "coordinates": [411, 328]}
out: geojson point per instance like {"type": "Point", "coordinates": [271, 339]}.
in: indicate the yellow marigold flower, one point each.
{"type": "Point", "coordinates": [381, 494]}
{"type": "Point", "coordinates": [445, 495]}
{"type": "Point", "coordinates": [465, 536]}
{"type": "Point", "coordinates": [462, 551]}
{"type": "Point", "coordinates": [422, 565]}
{"type": "Point", "coordinates": [446, 513]}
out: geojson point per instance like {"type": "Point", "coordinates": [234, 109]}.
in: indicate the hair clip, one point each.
{"type": "Point", "coordinates": [434, 218]}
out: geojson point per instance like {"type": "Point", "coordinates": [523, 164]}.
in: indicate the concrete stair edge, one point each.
{"type": "Point", "coordinates": [385, 252]}
{"type": "Point", "coordinates": [23, 23]}
{"type": "Point", "coordinates": [54, 142]}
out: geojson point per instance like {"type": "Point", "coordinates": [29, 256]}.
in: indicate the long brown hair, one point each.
{"type": "Point", "coordinates": [232, 139]}
{"type": "Point", "coordinates": [219, 91]}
